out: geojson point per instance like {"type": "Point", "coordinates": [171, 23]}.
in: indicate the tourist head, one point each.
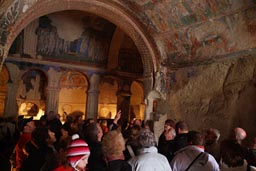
{"type": "Point", "coordinates": [113, 144]}
{"type": "Point", "coordinates": [146, 138]}
{"type": "Point", "coordinates": [169, 123]}
{"type": "Point", "coordinates": [78, 153]}
{"type": "Point", "coordinates": [195, 138]}
{"type": "Point", "coordinates": [212, 135]}
{"type": "Point", "coordinates": [238, 134]}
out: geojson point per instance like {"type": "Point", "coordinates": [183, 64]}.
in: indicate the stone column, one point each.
{"type": "Point", "coordinates": [11, 107]}
{"type": "Point", "coordinates": [52, 100]}
{"type": "Point", "coordinates": [93, 94]}
{"type": "Point", "coordinates": [53, 90]}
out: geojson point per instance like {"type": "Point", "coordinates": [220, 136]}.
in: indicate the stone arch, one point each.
{"type": "Point", "coordinates": [73, 85]}
{"type": "Point", "coordinates": [74, 78]}
{"type": "Point", "coordinates": [107, 104]}
{"type": "Point", "coordinates": [111, 11]}
{"type": "Point", "coordinates": [34, 68]}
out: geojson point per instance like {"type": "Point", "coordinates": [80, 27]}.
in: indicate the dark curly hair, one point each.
{"type": "Point", "coordinates": [40, 136]}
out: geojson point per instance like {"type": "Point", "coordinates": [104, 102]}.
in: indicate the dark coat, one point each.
{"type": "Point", "coordinates": [119, 165]}
{"type": "Point", "coordinates": [37, 156]}
{"type": "Point", "coordinates": [96, 160]}
{"type": "Point", "coordinates": [165, 147]}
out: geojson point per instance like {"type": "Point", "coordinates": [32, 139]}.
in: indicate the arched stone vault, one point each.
{"type": "Point", "coordinates": [108, 10]}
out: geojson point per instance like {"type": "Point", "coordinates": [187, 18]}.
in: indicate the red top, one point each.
{"type": "Point", "coordinates": [63, 168]}
{"type": "Point", "coordinates": [20, 154]}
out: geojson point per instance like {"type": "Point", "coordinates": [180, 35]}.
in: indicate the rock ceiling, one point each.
{"type": "Point", "coordinates": [195, 31]}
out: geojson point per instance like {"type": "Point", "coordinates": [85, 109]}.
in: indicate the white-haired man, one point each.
{"type": "Point", "coordinates": [148, 158]}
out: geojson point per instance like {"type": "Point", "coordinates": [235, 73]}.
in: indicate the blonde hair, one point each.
{"type": "Point", "coordinates": [113, 144]}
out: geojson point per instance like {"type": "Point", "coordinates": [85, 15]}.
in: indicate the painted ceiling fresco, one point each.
{"type": "Point", "coordinates": [211, 40]}
{"type": "Point", "coordinates": [194, 31]}
{"type": "Point", "coordinates": [166, 15]}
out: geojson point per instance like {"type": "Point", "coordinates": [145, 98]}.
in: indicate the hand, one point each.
{"type": "Point", "coordinates": [117, 117]}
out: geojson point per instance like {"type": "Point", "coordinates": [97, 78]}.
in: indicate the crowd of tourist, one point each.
{"type": "Point", "coordinates": [78, 145]}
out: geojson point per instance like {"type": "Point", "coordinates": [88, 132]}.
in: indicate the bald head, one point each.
{"type": "Point", "coordinates": [239, 134]}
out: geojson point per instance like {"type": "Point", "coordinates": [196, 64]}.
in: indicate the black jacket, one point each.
{"type": "Point", "coordinates": [96, 160]}
{"type": "Point", "coordinates": [119, 165]}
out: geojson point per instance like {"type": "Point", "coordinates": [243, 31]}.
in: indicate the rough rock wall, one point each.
{"type": "Point", "coordinates": [219, 95]}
